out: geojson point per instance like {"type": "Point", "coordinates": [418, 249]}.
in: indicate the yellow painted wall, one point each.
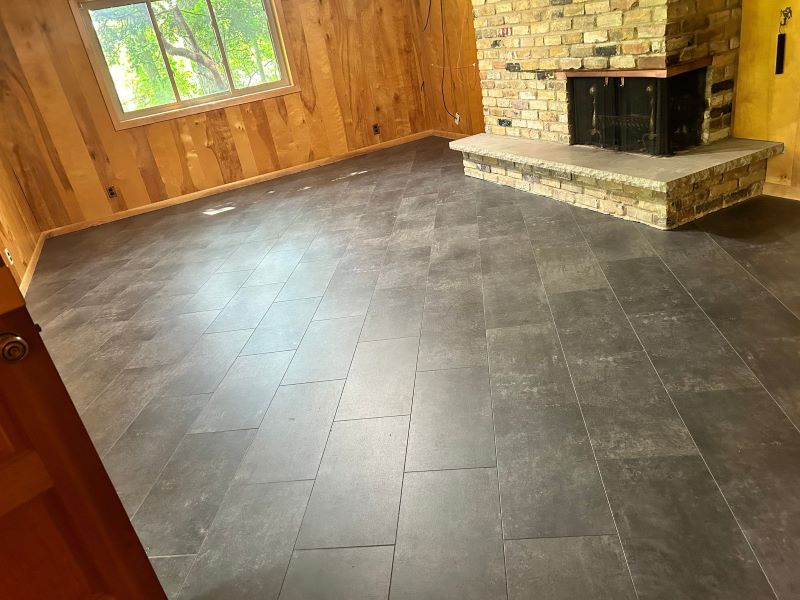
{"type": "Point", "coordinates": [768, 105]}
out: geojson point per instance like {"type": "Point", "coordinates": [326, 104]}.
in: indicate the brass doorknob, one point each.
{"type": "Point", "coordinates": [12, 347]}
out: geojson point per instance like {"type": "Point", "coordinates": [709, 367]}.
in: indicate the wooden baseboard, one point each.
{"type": "Point", "coordinates": [140, 210]}
{"type": "Point", "coordinates": [25, 282]}
{"type": "Point", "coordinates": [450, 135]}
{"type": "Point", "coordinates": [782, 191]}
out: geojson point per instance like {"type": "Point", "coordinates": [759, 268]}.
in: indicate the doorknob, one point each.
{"type": "Point", "coordinates": [12, 347]}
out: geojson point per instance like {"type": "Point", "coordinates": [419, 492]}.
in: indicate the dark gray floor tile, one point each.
{"type": "Point", "coordinates": [451, 422]}
{"type": "Point", "coordinates": [136, 460]}
{"type": "Point", "coordinates": [249, 546]}
{"type": "Point", "coordinates": [308, 280]}
{"type": "Point", "coordinates": [381, 380]}
{"type": "Point", "coordinates": [645, 285]}
{"type": "Point", "coordinates": [404, 267]}
{"type": "Point", "coordinates": [289, 443]}
{"type": "Point", "coordinates": [753, 451]}
{"type": "Point", "coordinates": [242, 399]}
{"type": "Point", "coordinates": [246, 309]}
{"type": "Point", "coordinates": [627, 409]}
{"type": "Point", "coordinates": [115, 408]}
{"type": "Point", "coordinates": [348, 295]}
{"type": "Point", "coordinates": [174, 337]}
{"type": "Point", "coordinates": [282, 327]}
{"type": "Point", "coordinates": [449, 542]}
{"type": "Point", "coordinates": [569, 268]}
{"type": "Point", "coordinates": [774, 362]}
{"type": "Point", "coordinates": [247, 256]}
{"type": "Point", "coordinates": [339, 574]}
{"type": "Point", "coordinates": [394, 313]}
{"type": "Point", "coordinates": [679, 535]}
{"type": "Point", "coordinates": [204, 367]}
{"type": "Point", "coordinates": [172, 571]}
{"type": "Point", "coordinates": [514, 299]}
{"type": "Point", "coordinates": [326, 351]}
{"type": "Point", "coordinates": [612, 239]}
{"type": "Point", "coordinates": [690, 354]}
{"type": "Point", "coordinates": [591, 323]}
{"type": "Point", "coordinates": [528, 367]}
{"type": "Point", "coordinates": [357, 493]}
{"type": "Point", "coordinates": [452, 349]}
{"type": "Point", "coordinates": [178, 511]}
{"type": "Point", "coordinates": [568, 568]}
{"type": "Point", "coordinates": [216, 292]}
{"type": "Point", "coordinates": [445, 313]}
{"type": "Point", "coordinates": [276, 267]}
{"type": "Point", "coordinates": [549, 483]}
{"type": "Point", "coordinates": [328, 245]}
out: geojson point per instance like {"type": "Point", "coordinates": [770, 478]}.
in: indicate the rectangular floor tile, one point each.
{"type": "Point", "coordinates": [451, 421]}
{"type": "Point", "coordinates": [288, 446]}
{"type": "Point", "coordinates": [282, 327]}
{"type": "Point", "coordinates": [202, 369]}
{"type": "Point", "coordinates": [348, 295]}
{"type": "Point", "coordinates": [249, 546]}
{"type": "Point", "coordinates": [381, 380]}
{"type": "Point", "coordinates": [568, 568]}
{"type": "Point", "coordinates": [591, 323]}
{"type": "Point", "coordinates": [136, 460]}
{"type": "Point", "coordinates": [308, 280]}
{"type": "Point", "coordinates": [680, 537]}
{"type": "Point", "coordinates": [449, 543]}
{"type": "Point", "coordinates": [276, 267]}
{"type": "Point", "coordinates": [242, 398]}
{"type": "Point", "coordinates": [216, 292]}
{"type": "Point", "coordinates": [339, 574]}
{"type": "Point", "coordinates": [452, 349]}
{"type": "Point", "coordinates": [326, 351]}
{"type": "Point", "coordinates": [528, 366]}
{"type": "Point", "coordinates": [172, 571]}
{"type": "Point", "coordinates": [357, 493]}
{"type": "Point", "coordinates": [690, 354]}
{"type": "Point", "coordinates": [549, 480]}
{"type": "Point", "coordinates": [627, 409]}
{"type": "Point", "coordinates": [394, 313]}
{"type": "Point", "coordinates": [246, 309]}
{"type": "Point", "coordinates": [177, 513]}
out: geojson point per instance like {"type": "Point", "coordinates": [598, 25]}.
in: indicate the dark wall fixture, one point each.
{"type": "Point", "coordinates": [786, 14]}
{"type": "Point", "coordinates": [647, 115]}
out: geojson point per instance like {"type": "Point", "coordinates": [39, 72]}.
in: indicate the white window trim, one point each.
{"type": "Point", "coordinates": [233, 97]}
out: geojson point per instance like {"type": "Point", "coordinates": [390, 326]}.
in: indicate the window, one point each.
{"type": "Point", "coordinates": [158, 59]}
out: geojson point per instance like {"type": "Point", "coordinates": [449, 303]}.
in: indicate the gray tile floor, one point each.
{"type": "Point", "coordinates": [382, 377]}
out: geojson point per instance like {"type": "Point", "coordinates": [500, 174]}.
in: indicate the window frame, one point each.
{"type": "Point", "coordinates": [181, 108]}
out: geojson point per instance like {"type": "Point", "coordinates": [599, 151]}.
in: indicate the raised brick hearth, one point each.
{"type": "Point", "coordinates": [529, 49]}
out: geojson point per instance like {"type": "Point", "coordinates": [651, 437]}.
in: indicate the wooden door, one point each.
{"type": "Point", "coordinates": [64, 534]}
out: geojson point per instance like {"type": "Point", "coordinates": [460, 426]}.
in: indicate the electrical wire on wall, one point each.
{"type": "Point", "coordinates": [447, 66]}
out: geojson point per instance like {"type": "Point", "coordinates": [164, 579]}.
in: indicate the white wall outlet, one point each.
{"type": "Point", "coordinates": [9, 256]}
{"type": "Point", "coordinates": [458, 118]}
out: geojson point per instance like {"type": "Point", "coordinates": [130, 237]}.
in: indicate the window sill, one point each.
{"type": "Point", "coordinates": [195, 109]}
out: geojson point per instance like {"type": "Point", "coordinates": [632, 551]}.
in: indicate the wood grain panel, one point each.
{"type": "Point", "coordinates": [19, 231]}
{"type": "Point", "coordinates": [356, 62]}
{"type": "Point", "coordinates": [767, 105]}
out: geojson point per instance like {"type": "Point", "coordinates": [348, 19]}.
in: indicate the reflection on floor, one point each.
{"type": "Point", "coordinates": [381, 374]}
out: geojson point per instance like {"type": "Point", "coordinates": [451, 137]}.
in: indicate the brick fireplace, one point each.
{"type": "Point", "coordinates": [537, 61]}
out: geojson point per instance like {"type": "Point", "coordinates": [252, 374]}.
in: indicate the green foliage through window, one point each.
{"type": "Point", "coordinates": [188, 33]}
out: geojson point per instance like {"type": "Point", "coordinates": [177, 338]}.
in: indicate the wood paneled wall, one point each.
{"type": "Point", "coordinates": [357, 62]}
{"type": "Point", "coordinates": [18, 229]}
{"type": "Point", "coordinates": [768, 105]}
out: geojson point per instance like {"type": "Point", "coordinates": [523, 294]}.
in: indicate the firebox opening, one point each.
{"type": "Point", "coordinates": [647, 115]}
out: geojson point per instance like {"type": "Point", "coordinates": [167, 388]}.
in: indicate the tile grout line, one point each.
{"type": "Point", "coordinates": [491, 402]}
{"type": "Point", "coordinates": [745, 269]}
{"type": "Point", "coordinates": [411, 405]}
{"type": "Point", "coordinates": [580, 406]}
{"type": "Point", "coordinates": [669, 395]}
{"type": "Point", "coordinates": [338, 403]}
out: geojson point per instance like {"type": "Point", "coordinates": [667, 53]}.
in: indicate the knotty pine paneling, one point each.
{"type": "Point", "coordinates": [357, 62]}
{"type": "Point", "coordinates": [18, 229]}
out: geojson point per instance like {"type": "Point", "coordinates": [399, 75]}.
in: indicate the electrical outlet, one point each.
{"type": "Point", "coordinates": [111, 191]}
{"type": "Point", "coordinates": [457, 118]}
{"type": "Point", "coordinates": [9, 257]}
{"type": "Point", "coordinates": [376, 129]}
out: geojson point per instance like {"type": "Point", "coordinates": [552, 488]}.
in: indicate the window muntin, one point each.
{"type": "Point", "coordinates": [159, 56]}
